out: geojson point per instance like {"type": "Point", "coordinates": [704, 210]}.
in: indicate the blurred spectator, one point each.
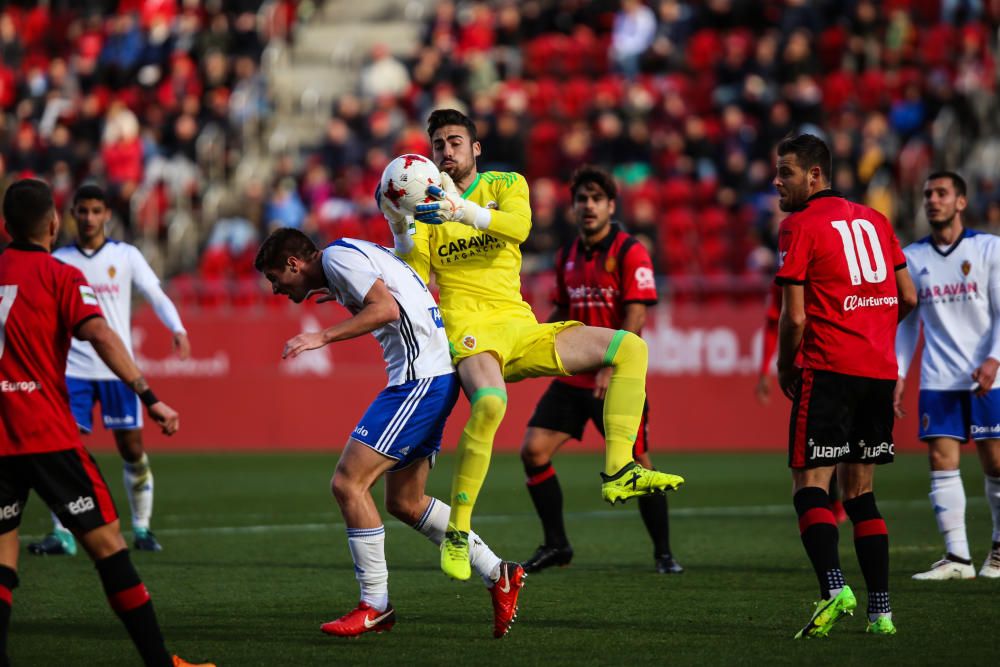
{"type": "Point", "coordinates": [384, 75]}
{"type": "Point", "coordinates": [634, 31]}
{"type": "Point", "coordinates": [284, 207]}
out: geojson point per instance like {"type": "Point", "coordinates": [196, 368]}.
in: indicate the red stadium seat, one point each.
{"type": "Point", "coordinates": [677, 192]}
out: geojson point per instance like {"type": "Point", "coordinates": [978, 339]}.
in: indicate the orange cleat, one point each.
{"type": "Point", "coordinates": [361, 620]}
{"type": "Point", "coordinates": [180, 662]}
{"type": "Point", "coordinates": [504, 593]}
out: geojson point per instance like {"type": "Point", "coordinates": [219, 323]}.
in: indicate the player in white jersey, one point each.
{"type": "Point", "coordinates": [400, 433]}
{"type": "Point", "coordinates": [112, 268]}
{"type": "Point", "coordinates": [957, 275]}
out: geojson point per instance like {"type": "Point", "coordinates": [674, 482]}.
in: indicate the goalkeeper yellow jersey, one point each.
{"type": "Point", "coordinates": [478, 271]}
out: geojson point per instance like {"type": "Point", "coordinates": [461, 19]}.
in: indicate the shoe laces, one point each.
{"type": "Point", "coordinates": [455, 543]}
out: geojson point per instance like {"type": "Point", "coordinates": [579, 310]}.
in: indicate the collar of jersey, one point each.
{"type": "Point", "coordinates": [472, 187]}
{"type": "Point", "coordinates": [829, 192]}
{"type": "Point", "coordinates": [91, 253]}
{"type": "Point", "coordinates": [603, 244]}
{"type": "Point", "coordinates": [28, 247]}
{"type": "Point", "coordinates": [950, 249]}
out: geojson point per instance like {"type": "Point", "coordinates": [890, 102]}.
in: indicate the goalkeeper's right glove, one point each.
{"type": "Point", "coordinates": [401, 225]}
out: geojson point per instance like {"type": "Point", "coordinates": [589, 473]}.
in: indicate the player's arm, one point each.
{"type": "Point", "coordinates": [380, 308]}
{"type": "Point", "coordinates": [986, 373]}
{"type": "Point", "coordinates": [411, 240]}
{"type": "Point", "coordinates": [791, 326]}
{"type": "Point", "coordinates": [762, 390]}
{"type": "Point", "coordinates": [148, 284]}
{"type": "Point", "coordinates": [906, 291]}
{"type": "Point", "coordinates": [111, 350]}
{"type": "Point", "coordinates": [510, 220]}
{"type": "Point", "coordinates": [907, 338]}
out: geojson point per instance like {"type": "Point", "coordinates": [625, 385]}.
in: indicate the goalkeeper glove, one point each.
{"type": "Point", "coordinates": [450, 207]}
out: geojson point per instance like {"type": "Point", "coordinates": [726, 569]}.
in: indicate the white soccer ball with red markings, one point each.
{"type": "Point", "coordinates": [405, 180]}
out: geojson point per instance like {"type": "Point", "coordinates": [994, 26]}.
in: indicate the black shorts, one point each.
{"type": "Point", "coordinates": [68, 481]}
{"type": "Point", "coordinates": [566, 409]}
{"type": "Point", "coordinates": [840, 418]}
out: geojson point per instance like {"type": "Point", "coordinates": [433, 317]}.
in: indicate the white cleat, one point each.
{"type": "Point", "coordinates": [947, 569]}
{"type": "Point", "coordinates": [991, 566]}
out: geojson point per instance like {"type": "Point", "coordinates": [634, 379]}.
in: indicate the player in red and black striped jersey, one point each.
{"type": "Point", "coordinates": [604, 278]}
{"type": "Point", "coordinates": [43, 303]}
{"type": "Point", "coordinates": [844, 287]}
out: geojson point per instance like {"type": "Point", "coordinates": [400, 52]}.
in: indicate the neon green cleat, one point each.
{"type": "Point", "coordinates": [455, 554]}
{"type": "Point", "coordinates": [881, 626]}
{"type": "Point", "coordinates": [827, 613]}
{"type": "Point", "coordinates": [633, 480]}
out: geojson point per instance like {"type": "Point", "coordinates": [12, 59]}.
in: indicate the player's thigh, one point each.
{"type": "Point", "coordinates": [870, 435]}
{"type": "Point", "coordinates": [820, 420]}
{"type": "Point", "coordinates": [985, 429]}
{"type": "Point", "coordinates": [989, 455]}
{"type": "Point", "coordinates": [534, 350]}
{"type": "Point", "coordinates": [120, 406]}
{"type": "Point", "coordinates": [15, 484]}
{"type": "Point", "coordinates": [9, 547]}
{"type": "Point", "coordinates": [480, 371]}
{"type": "Point", "coordinates": [562, 413]}
{"type": "Point", "coordinates": [359, 467]}
{"type": "Point", "coordinates": [944, 414]}
{"type": "Point", "coordinates": [582, 348]}
{"type": "Point", "coordinates": [855, 479]}
{"type": "Point", "coordinates": [103, 541]}
{"type": "Point", "coordinates": [82, 398]}
{"type": "Point", "coordinates": [73, 487]}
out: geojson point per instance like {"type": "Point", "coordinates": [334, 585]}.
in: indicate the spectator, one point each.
{"type": "Point", "coordinates": [633, 32]}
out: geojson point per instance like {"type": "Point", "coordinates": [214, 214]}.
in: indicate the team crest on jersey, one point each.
{"type": "Point", "coordinates": [469, 342]}
{"type": "Point", "coordinates": [925, 421]}
{"type": "Point", "coordinates": [610, 264]}
{"type": "Point", "coordinates": [112, 271]}
{"type": "Point", "coordinates": [966, 267]}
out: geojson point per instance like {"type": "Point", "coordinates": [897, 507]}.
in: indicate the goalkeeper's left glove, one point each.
{"type": "Point", "coordinates": [451, 207]}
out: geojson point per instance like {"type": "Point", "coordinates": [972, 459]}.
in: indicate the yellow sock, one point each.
{"type": "Point", "coordinates": [474, 449]}
{"type": "Point", "coordinates": [623, 403]}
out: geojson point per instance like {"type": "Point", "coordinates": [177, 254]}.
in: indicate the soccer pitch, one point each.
{"type": "Point", "coordinates": [255, 559]}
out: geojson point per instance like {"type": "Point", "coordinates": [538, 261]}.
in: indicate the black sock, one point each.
{"type": "Point", "coordinates": [653, 510]}
{"type": "Point", "coordinates": [130, 601]}
{"type": "Point", "coordinates": [545, 492]}
{"type": "Point", "coordinates": [871, 543]}
{"type": "Point", "coordinates": [8, 582]}
{"type": "Point", "coordinates": [818, 529]}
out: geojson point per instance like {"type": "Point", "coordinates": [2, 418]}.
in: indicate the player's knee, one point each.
{"type": "Point", "coordinates": [489, 407]}
{"type": "Point", "coordinates": [404, 509]}
{"type": "Point", "coordinates": [631, 349]}
{"type": "Point", "coordinates": [942, 459]}
{"type": "Point", "coordinates": [343, 487]}
{"type": "Point", "coordinates": [533, 454]}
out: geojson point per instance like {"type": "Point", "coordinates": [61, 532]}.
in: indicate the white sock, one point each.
{"type": "Point", "coordinates": [138, 479]}
{"type": "Point", "coordinates": [433, 525]}
{"type": "Point", "coordinates": [993, 498]}
{"type": "Point", "coordinates": [367, 547]}
{"type": "Point", "coordinates": [57, 524]}
{"type": "Point", "coordinates": [948, 499]}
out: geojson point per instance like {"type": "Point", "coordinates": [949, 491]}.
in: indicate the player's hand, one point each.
{"type": "Point", "coordinates": [762, 390]}
{"type": "Point", "coordinates": [304, 341]}
{"type": "Point", "coordinates": [182, 346]}
{"type": "Point", "coordinates": [985, 375]}
{"type": "Point", "coordinates": [789, 380]}
{"type": "Point", "coordinates": [601, 381]}
{"type": "Point", "coordinates": [449, 207]}
{"type": "Point", "coordinates": [164, 415]}
{"type": "Point", "coordinates": [400, 223]}
{"type": "Point", "coordinates": [897, 398]}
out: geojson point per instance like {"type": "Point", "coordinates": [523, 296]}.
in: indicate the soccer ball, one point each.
{"type": "Point", "coordinates": [405, 180]}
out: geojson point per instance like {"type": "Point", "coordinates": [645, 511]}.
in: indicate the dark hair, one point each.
{"type": "Point", "coordinates": [589, 174]}
{"type": "Point", "coordinates": [280, 245]}
{"type": "Point", "coordinates": [27, 205]}
{"type": "Point", "coordinates": [89, 191]}
{"type": "Point", "coordinates": [956, 180]}
{"type": "Point", "coordinates": [442, 117]}
{"type": "Point", "coordinates": [810, 150]}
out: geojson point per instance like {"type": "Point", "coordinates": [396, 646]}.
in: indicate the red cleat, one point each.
{"type": "Point", "coordinates": [839, 513]}
{"type": "Point", "coordinates": [181, 662]}
{"type": "Point", "coordinates": [361, 620]}
{"type": "Point", "coordinates": [504, 593]}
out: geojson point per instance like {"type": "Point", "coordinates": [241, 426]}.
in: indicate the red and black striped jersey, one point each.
{"type": "Point", "coordinates": [594, 284]}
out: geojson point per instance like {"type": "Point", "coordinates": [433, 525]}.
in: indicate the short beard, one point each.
{"type": "Point", "coordinates": [942, 224]}
{"type": "Point", "coordinates": [459, 177]}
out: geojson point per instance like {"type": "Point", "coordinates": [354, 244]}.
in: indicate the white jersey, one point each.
{"type": "Point", "coordinates": [414, 346]}
{"type": "Point", "coordinates": [958, 291]}
{"type": "Point", "coordinates": [112, 270]}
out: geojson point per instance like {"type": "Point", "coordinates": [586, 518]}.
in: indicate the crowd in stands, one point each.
{"type": "Point", "coordinates": [683, 101]}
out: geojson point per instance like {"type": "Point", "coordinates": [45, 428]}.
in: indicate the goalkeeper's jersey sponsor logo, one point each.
{"type": "Point", "coordinates": [460, 249]}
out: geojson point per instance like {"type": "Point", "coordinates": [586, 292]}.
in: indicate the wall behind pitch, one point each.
{"type": "Point", "coordinates": [237, 392]}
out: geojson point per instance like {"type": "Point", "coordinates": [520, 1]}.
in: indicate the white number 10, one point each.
{"type": "Point", "coordinates": [859, 262]}
{"type": "Point", "coordinates": [7, 295]}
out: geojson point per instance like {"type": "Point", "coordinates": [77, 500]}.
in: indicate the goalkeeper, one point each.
{"type": "Point", "coordinates": [469, 239]}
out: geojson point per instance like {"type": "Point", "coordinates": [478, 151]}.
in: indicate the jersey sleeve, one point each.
{"type": "Point", "coordinates": [350, 271]}
{"type": "Point", "coordinates": [638, 278]}
{"type": "Point", "coordinates": [419, 257]}
{"type": "Point", "coordinates": [794, 252]}
{"type": "Point", "coordinates": [559, 295]}
{"type": "Point", "coordinates": [511, 219]}
{"type": "Point", "coordinates": [77, 300]}
{"type": "Point", "coordinates": [148, 284]}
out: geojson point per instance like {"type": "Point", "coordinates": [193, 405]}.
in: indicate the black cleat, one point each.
{"type": "Point", "coordinates": [546, 556]}
{"type": "Point", "coordinates": [145, 540]}
{"type": "Point", "coordinates": [666, 564]}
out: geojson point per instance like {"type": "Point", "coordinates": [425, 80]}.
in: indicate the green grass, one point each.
{"type": "Point", "coordinates": [256, 558]}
